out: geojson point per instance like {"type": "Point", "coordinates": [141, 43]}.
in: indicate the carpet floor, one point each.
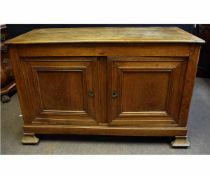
{"type": "Point", "coordinates": [199, 131]}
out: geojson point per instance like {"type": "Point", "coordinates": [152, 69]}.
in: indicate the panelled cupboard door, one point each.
{"type": "Point", "coordinates": [145, 91]}
{"type": "Point", "coordinates": [63, 89]}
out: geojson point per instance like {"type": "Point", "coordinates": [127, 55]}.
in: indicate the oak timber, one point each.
{"type": "Point", "coordinates": [106, 35]}
{"type": "Point", "coordinates": [105, 81]}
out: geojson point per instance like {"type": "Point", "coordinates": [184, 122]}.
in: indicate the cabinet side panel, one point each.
{"type": "Point", "coordinates": [25, 103]}
{"type": "Point", "coordinates": [189, 84]}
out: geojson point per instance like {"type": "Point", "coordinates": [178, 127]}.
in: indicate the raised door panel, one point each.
{"type": "Point", "coordinates": [145, 90]}
{"type": "Point", "coordinates": [63, 90]}
{"type": "Point", "coordinates": [66, 90]}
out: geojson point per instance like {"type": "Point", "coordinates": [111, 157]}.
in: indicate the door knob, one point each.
{"type": "Point", "coordinates": [91, 93]}
{"type": "Point", "coordinates": [114, 94]}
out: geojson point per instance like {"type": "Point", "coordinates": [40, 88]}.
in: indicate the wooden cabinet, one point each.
{"type": "Point", "coordinates": [105, 81]}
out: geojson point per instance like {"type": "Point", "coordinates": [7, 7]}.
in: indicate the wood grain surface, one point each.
{"type": "Point", "coordinates": [107, 35]}
{"type": "Point", "coordinates": [106, 81]}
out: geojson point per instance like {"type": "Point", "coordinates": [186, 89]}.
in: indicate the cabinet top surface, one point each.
{"type": "Point", "coordinates": [106, 35]}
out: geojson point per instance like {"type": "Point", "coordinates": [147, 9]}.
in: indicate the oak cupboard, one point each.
{"type": "Point", "coordinates": [105, 81]}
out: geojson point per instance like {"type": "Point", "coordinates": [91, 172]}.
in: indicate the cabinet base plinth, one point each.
{"type": "Point", "coordinates": [180, 142]}
{"type": "Point", "coordinates": [29, 139]}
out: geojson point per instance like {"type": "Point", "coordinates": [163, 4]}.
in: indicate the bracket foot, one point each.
{"type": "Point", "coordinates": [180, 142]}
{"type": "Point", "coordinates": [29, 139]}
